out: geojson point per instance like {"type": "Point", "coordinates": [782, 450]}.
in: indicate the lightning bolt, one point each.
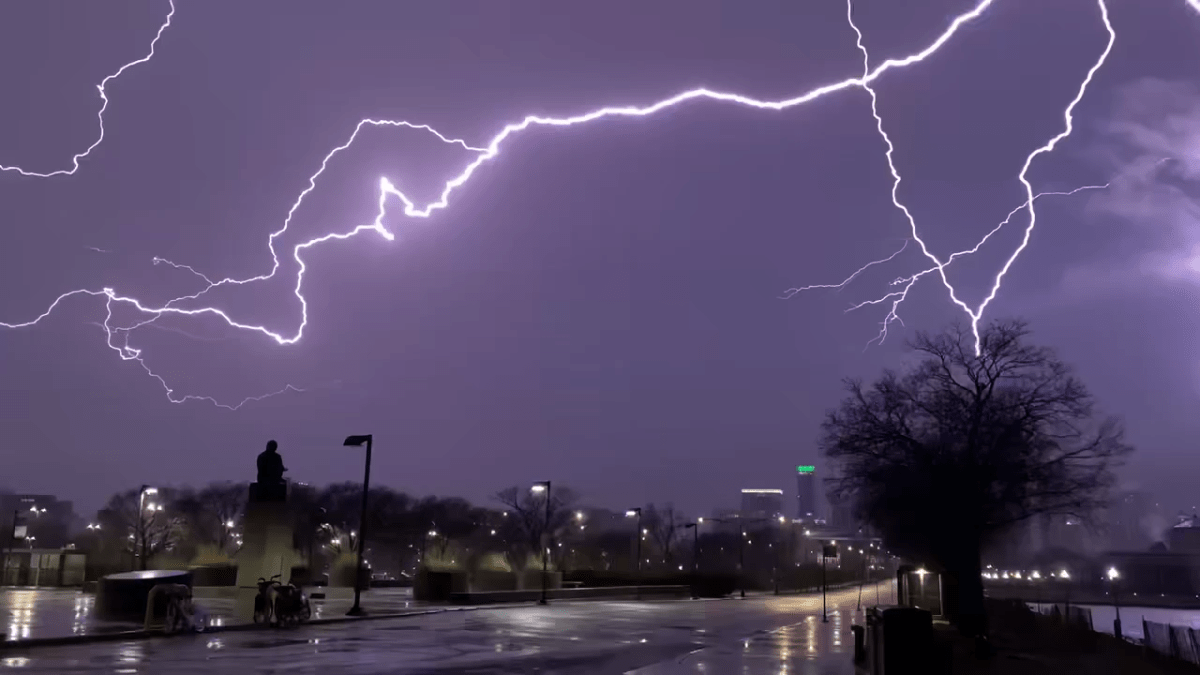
{"type": "Point", "coordinates": [118, 337]}
{"type": "Point", "coordinates": [102, 87]}
{"type": "Point", "coordinates": [975, 314]}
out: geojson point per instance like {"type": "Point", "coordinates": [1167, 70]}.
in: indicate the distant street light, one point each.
{"type": "Point", "coordinates": [538, 488]}
{"type": "Point", "coordinates": [355, 442]}
{"type": "Point", "coordinates": [630, 514]}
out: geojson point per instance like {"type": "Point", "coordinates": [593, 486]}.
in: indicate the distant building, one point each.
{"type": "Point", "coordinates": [807, 485]}
{"type": "Point", "coordinates": [44, 518]}
{"type": "Point", "coordinates": [762, 503]}
{"type": "Point", "coordinates": [1184, 536]}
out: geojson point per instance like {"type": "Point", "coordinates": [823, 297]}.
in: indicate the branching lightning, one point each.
{"type": "Point", "coordinates": [103, 106]}
{"type": "Point", "coordinates": [118, 336]}
{"type": "Point", "coordinates": [976, 314]}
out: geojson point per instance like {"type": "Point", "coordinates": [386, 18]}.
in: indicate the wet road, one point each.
{"type": "Point", "coordinates": [764, 634]}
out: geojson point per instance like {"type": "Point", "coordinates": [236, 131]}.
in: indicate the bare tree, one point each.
{"type": "Point", "coordinates": [527, 524]}
{"type": "Point", "coordinates": [962, 446]}
{"type": "Point", "coordinates": [213, 514]}
{"type": "Point", "coordinates": [147, 526]}
{"type": "Point", "coordinates": [665, 526]}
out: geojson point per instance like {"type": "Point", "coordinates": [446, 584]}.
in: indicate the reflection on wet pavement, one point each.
{"type": "Point", "coordinates": [809, 647]}
{"type": "Point", "coordinates": [765, 634]}
{"type": "Point", "coordinates": [27, 613]}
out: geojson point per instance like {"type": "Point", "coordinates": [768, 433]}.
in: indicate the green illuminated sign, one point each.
{"type": "Point", "coordinates": [806, 469]}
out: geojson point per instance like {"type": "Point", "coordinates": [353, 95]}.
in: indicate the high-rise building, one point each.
{"type": "Point", "coordinates": [806, 492]}
{"type": "Point", "coordinates": [762, 503]}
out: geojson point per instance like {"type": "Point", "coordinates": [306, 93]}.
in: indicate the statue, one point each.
{"type": "Point", "coordinates": [270, 466]}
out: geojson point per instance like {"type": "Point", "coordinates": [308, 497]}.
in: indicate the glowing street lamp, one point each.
{"type": "Point", "coordinates": [145, 490]}
{"type": "Point", "coordinates": [1113, 575]}
{"type": "Point", "coordinates": [637, 512]}
{"type": "Point", "coordinates": [538, 488]}
{"type": "Point", "coordinates": [695, 528]}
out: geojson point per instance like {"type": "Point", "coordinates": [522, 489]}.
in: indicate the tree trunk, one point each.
{"type": "Point", "coordinates": [964, 593]}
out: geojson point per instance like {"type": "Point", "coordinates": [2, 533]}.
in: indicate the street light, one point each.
{"type": "Point", "coordinates": [695, 527]}
{"type": "Point", "coordinates": [145, 490]}
{"type": "Point", "coordinates": [630, 514]}
{"type": "Point", "coordinates": [538, 488]}
{"type": "Point", "coordinates": [355, 442]}
{"type": "Point", "coordinates": [1113, 575]}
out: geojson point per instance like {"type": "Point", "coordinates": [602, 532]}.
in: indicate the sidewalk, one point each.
{"type": "Point", "coordinates": [54, 613]}
{"type": "Point", "coordinates": [810, 647]}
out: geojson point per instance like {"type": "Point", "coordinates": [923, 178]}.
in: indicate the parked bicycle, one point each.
{"type": "Point", "coordinates": [280, 604]}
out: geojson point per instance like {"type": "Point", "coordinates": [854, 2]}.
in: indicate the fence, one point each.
{"type": "Point", "coordinates": [1177, 642]}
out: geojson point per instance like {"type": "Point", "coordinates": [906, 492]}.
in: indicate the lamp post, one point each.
{"type": "Point", "coordinates": [141, 524]}
{"type": "Point", "coordinates": [1065, 576]}
{"type": "Point", "coordinates": [1113, 575]}
{"type": "Point", "coordinates": [544, 486]}
{"type": "Point", "coordinates": [630, 513]}
{"type": "Point", "coordinates": [1036, 576]}
{"type": "Point", "coordinates": [824, 606]}
{"type": "Point", "coordinates": [695, 527]}
{"type": "Point", "coordinates": [355, 442]}
{"type": "Point", "coordinates": [775, 558]}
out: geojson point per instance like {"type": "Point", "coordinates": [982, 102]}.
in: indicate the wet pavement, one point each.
{"type": "Point", "coordinates": [43, 613]}
{"type": "Point", "coordinates": [759, 634]}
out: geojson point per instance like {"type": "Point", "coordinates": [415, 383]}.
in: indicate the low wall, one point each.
{"type": "Point", "coordinates": [608, 592]}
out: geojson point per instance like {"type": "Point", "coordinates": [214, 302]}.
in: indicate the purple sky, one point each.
{"type": "Point", "coordinates": [600, 304]}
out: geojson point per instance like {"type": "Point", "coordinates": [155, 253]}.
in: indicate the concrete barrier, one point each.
{"type": "Point", "coordinates": [607, 592]}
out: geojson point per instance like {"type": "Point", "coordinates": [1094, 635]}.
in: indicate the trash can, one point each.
{"type": "Point", "coordinates": [860, 648]}
{"type": "Point", "coordinates": [899, 640]}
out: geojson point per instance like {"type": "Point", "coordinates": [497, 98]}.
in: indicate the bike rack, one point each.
{"type": "Point", "coordinates": [154, 593]}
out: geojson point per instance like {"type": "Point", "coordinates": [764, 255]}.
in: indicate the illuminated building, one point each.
{"type": "Point", "coordinates": [806, 492]}
{"type": "Point", "coordinates": [762, 503]}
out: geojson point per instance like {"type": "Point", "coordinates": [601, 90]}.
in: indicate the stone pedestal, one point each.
{"type": "Point", "coordinates": [266, 545]}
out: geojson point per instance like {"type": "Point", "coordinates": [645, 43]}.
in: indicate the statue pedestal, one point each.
{"type": "Point", "coordinates": [266, 545]}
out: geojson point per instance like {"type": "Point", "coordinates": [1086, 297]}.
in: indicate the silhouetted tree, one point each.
{"type": "Point", "coordinates": [213, 514]}
{"type": "Point", "coordinates": [963, 445]}
{"type": "Point", "coordinates": [144, 527]}
{"type": "Point", "coordinates": [665, 526]}
{"type": "Point", "coordinates": [527, 525]}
